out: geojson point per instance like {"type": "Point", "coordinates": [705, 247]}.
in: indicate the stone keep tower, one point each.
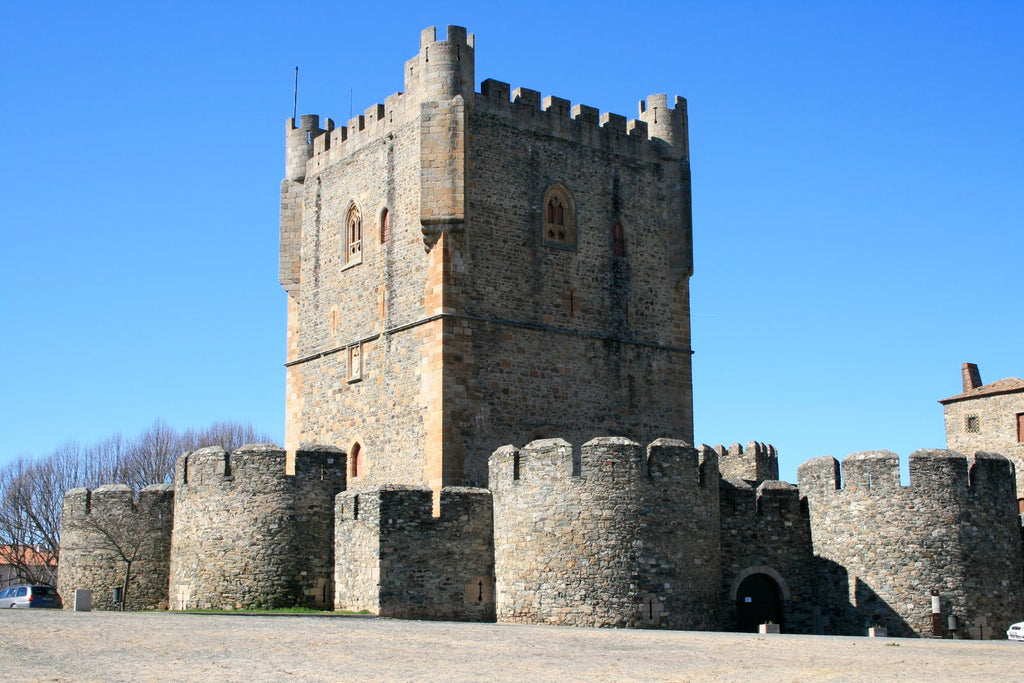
{"type": "Point", "coordinates": [468, 269]}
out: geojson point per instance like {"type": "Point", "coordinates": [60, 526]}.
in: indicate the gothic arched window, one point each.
{"type": "Point", "coordinates": [353, 235]}
{"type": "Point", "coordinates": [559, 217]}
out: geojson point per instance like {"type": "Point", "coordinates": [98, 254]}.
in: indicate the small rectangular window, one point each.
{"type": "Point", "coordinates": [1020, 427]}
{"type": "Point", "coordinates": [973, 424]}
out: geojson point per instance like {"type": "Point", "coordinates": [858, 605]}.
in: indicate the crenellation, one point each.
{"type": "Point", "coordinates": [779, 497]}
{"type": "Point", "coordinates": [929, 524]}
{"type": "Point", "coordinates": [244, 513]}
{"type": "Point", "coordinates": [524, 97]}
{"type": "Point", "coordinates": [758, 462]}
{"type": "Point", "coordinates": [819, 475]}
{"type": "Point", "coordinates": [469, 269]}
{"type": "Point", "coordinates": [873, 471]}
{"type": "Point", "coordinates": [613, 123]}
{"type": "Point", "coordinates": [612, 460]}
{"type": "Point", "coordinates": [557, 107]}
{"type": "Point", "coordinates": [992, 475]}
{"type": "Point", "coordinates": [382, 552]}
{"type": "Point", "coordinates": [940, 469]}
{"type": "Point", "coordinates": [495, 90]}
{"type": "Point", "coordinates": [667, 125]}
{"type": "Point", "coordinates": [677, 463]}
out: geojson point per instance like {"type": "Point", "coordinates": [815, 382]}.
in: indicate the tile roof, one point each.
{"type": "Point", "coordinates": [1003, 386]}
{"type": "Point", "coordinates": [30, 556]}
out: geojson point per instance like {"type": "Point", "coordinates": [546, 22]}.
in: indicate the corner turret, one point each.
{"type": "Point", "coordinates": [443, 68]}
{"type": "Point", "coordinates": [299, 144]}
{"type": "Point", "coordinates": [667, 124]}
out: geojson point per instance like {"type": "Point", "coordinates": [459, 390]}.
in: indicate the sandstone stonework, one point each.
{"type": "Point", "coordinates": [492, 289]}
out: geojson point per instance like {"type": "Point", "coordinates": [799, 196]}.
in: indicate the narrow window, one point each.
{"type": "Point", "coordinates": [559, 217]}
{"type": "Point", "coordinates": [385, 226]}
{"type": "Point", "coordinates": [353, 236]}
{"type": "Point", "coordinates": [618, 241]}
{"type": "Point", "coordinates": [355, 463]}
{"type": "Point", "coordinates": [1020, 427]}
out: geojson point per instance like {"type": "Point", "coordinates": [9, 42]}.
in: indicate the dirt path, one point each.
{"type": "Point", "coordinates": [105, 646]}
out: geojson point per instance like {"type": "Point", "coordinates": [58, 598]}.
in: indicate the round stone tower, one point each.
{"type": "Point", "coordinates": [108, 531]}
{"type": "Point", "coordinates": [248, 535]}
{"type": "Point", "coordinates": [618, 538]}
{"type": "Point", "coordinates": [890, 554]}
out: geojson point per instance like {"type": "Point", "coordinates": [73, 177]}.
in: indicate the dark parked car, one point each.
{"type": "Point", "coordinates": [29, 596]}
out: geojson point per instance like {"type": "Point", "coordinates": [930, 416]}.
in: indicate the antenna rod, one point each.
{"type": "Point", "coordinates": [295, 95]}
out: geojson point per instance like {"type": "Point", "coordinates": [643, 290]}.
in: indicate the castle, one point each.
{"type": "Point", "coordinates": [467, 270]}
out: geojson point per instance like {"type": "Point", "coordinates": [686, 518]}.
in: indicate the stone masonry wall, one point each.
{"type": "Point", "coordinates": [884, 548]}
{"type": "Point", "coordinates": [395, 559]}
{"type": "Point", "coordinates": [758, 462]}
{"type": "Point", "coordinates": [615, 538]}
{"type": "Point", "coordinates": [248, 535]}
{"type": "Point", "coordinates": [571, 341]}
{"type": "Point", "coordinates": [102, 528]}
{"type": "Point", "coordinates": [471, 331]}
{"type": "Point", "coordinates": [766, 530]}
{"type": "Point", "coordinates": [996, 424]}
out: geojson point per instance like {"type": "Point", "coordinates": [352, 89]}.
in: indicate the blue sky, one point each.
{"type": "Point", "coordinates": [858, 172]}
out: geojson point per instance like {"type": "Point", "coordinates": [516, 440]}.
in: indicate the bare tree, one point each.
{"type": "Point", "coordinates": [32, 490]}
{"type": "Point", "coordinates": [149, 458]}
{"type": "Point", "coordinates": [125, 529]}
{"type": "Point", "coordinates": [25, 534]}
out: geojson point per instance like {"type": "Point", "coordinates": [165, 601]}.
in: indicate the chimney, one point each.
{"type": "Point", "coordinates": [972, 378]}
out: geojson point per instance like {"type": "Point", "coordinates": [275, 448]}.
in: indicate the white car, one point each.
{"type": "Point", "coordinates": [1016, 632]}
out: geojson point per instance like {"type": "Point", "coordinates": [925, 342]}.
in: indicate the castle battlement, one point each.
{"type": "Point", "coordinates": [604, 461]}
{"type": "Point", "coordinates": [443, 70]}
{"type": "Point", "coordinates": [401, 504]}
{"type": "Point", "coordinates": [757, 462]}
{"type": "Point", "coordinates": [659, 123]}
{"type": "Point", "coordinates": [114, 499]}
{"type": "Point", "coordinates": [863, 520]}
{"type": "Point", "coordinates": [769, 498]}
{"type": "Point", "coordinates": [260, 465]}
{"type": "Point", "coordinates": [937, 472]}
{"type": "Point", "coordinates": [258, 520]}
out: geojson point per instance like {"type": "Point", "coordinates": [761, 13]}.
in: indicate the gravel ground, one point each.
{"type": "Point", "coordinates": [56, 645]}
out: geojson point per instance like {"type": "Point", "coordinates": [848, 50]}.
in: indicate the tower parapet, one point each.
{"type": "Point", "coordinates": [758, 462]}
{"type": "Point", "coordinates": [104, 529]}
{"type": "Point", "coordinates": [667, 125]}
{"type": "Point", "coordinates": [299, 144]}
{"type": "Point", "coordinates": [443, 68]}
{"type": "Point", "coordinates": [240, 514]}
{"type": "Point", "coordinates": [617, 537]}
{"type": "Point", "coordinates": [935, 524]}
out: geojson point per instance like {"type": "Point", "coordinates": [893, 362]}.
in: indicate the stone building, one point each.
{"type": "Point", "coordinates": [988, 417]}
{"type": "Point", "coordinates": [468, 269]}
{"type": "Point", "coordinates": [490, 290]}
